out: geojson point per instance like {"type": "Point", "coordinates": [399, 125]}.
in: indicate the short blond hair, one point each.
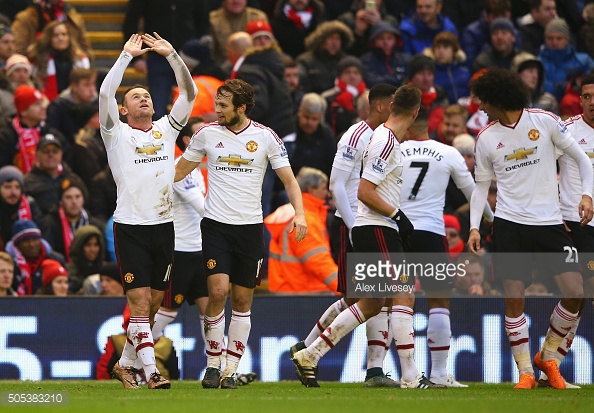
{"type": "Point", "coordinates": [4, 256]}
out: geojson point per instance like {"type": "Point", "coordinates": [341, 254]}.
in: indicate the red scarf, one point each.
{"type": "Point", "coordinates": [458, 248]}
{"type": "Point", "coordinates": [295, 17]}
{"type": "Point", "coordinates": [24, 211]}
{"type": "Point", "coordinates": [28, 268]}
{"type": "Point", "coordinates": [348, 93]}
{"type": "Point", "coordinates": [50, 86]}
{"type": "Point", "coordinates": [28, 139]}
{"type": "Point", "coordinates": [429, 97]}
{"type": "Point", "coordinates": [68, 231]}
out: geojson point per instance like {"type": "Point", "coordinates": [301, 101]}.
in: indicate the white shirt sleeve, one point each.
{"type": "Point", "coordinates": [277, 153]}
{"type": "Point", "coordinates": [585, 166]}
{"type": "Point", "coordinates": [338, 180]}
{"type": "Point", "coordinates": [196, 150]}
{"type": "Point", "coordinates": [188, 190]}
{"type": "Point", "coordinates": [378, 162]}
{"type": "Point", "coordinates": [181, 109]}
{"type": "Point", "coordinates": [483, 167]}
{"type": "Point", "coordinates": [477, 203]}
{"type": "Point", "coordinates": [109, 116]}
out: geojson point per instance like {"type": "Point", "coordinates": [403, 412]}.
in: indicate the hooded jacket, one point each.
{"type": "Point", "coordinates": [306, 266]}
{"type": "Point", "coordinates": [317, 68]}
{"type": "Point", "coordinates": [538, 97]}
{"type": "Point", "coordinates": [80, 267]}
{"type": "Point", "coordinates": [263, 69]}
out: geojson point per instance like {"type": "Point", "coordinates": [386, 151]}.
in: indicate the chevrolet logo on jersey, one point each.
{"type": "Point", "coordinates": [520, 154]}
{"type": "Point", "coordinates": [149, 149]}
{"type": "Point", "coordinates": [235, 160]}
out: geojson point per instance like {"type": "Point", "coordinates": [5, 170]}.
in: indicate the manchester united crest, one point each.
{"type": "Point", "coordinates": [210, 264]}
{"type": "Point", "coordinates": [403, 278]}
{"type": "Point", "coordinates": [179, 298]}
{"type": "Point", "coordinates": [157, 134]}
{"type": "Point", "coordinates": [591, 265]}
{"type": "Point", "coordinates": [534, 134]}
{"type": "Point", "coordinates": [251, 146]}
{"type": "Point", "coordinates": [129, 277]}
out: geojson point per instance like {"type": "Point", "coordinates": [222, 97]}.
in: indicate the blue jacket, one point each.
{"type": "Point", "coordinates": [379, 68]}
{"type": "Point", "coordinates": [476, 38]}
{"type": "Point", "coordinates": [560, 66]}
{"type": "Point", "coordinates": [416, 35]}
{"type": "Point", "coordinates": [452, 77]}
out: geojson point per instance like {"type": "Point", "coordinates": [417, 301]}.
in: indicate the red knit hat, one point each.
{"type": "Point", "coordinates": [51, 269]}
{"type": "Point", "coordinates": [257, 28]}
{"type": "Point", "coordinates": [25, 96]}
{"type": "Point", "coordinates": [451, 222]}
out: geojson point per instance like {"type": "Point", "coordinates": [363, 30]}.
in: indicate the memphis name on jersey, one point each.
{"type": "Point", "coordinates": [421, 152]}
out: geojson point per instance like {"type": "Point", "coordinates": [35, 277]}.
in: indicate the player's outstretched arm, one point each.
{"type": "Point", "coordinates": [294, 193]}
{"type": "Point", "coordinates": [477, 203]}
{"type": "Point", "coordinates": [108, 106]}
{"type": "Point", "coordinates": [183, 167]}
{"type": "Point", "coordinates": [180, 112]}
{"type": "Point", "coordinates": [586, 175]}
{"type": "Point", "coordinates": [338, 180]}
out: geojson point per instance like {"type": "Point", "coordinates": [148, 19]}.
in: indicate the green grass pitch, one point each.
{"type": "Point", "coordinates": [285, 397]}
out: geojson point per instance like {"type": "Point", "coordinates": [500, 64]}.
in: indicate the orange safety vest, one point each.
{"type": "Point", "coordinates": [207, 89]}
{"type": "Point", "coordinates": [306, 266]}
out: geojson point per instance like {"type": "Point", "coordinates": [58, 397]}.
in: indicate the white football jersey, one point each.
{"type": "Point", "coordinates": [349, 156]}
{"type": "Point", "coordinates": [570, 183]}
{"type": "Point", "coordinates": [188, 237]}
{"type": "Point", "coordinates": [523, 159]}
{"type": "Point", "coordinates": [237, 162]}
{"type": "Point", "coordinates": [143, 166]}
{"type": "Point", "coordinates": [382, 165]}
{"type": "Point", "coordinates": [427, 168]}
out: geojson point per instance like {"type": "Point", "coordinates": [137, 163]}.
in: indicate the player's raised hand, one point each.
{"type": "Point", "coordinates": [158, 44]}
{"type": "Point", "coordinates": [300, 224]}
{"type": "Point", "coordinates": [585, 209]}
{"type": "Point", "coordinates": [474, 241]}
{"type": "Point", "coordinates": [134, 46]}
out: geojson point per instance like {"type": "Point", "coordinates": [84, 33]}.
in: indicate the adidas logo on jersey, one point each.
{"type": "Point", "coordinates": [219, 145]}
{"type": "Point", "coordinates": [583, 142]}
{"type": "Point", "coordinates": [500, 145]}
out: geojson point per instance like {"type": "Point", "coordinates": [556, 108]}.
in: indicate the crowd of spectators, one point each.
{"type": "Point", "coordinates": [311, 64]}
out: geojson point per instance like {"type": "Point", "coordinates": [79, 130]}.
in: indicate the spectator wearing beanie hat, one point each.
{"type": "Point", "coordinates": [70, 216]}
{"type": "Point", "coordinates": [561, 61]}
{"type": "Point", "coordinates": [349, 84]}
{"type": "Point", "coordinates": [15, 205]}
{"type": "Point", "coordinates": [207, 75]}
{"type": "Point", "coordinates": [502, 51]}
{"type": "Point", "coordinates": [261, 32]}
{"type": "Point", "coordinates": [19, 138]}
{"type": "Point", "coordinates": [384, 62]}
{"type": "Point", "coordinates": [452, 229]}
{"type": "Point", "coordinates": [111, 281]}
{"type": "Point", "coordinates": [18, 70]}
{"type": "Point", "coordinates": [421, 73]}
{"type": "Point", "coordinates": [29, 250]}
{"type": "Point", "coordinates": [54, 279]}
